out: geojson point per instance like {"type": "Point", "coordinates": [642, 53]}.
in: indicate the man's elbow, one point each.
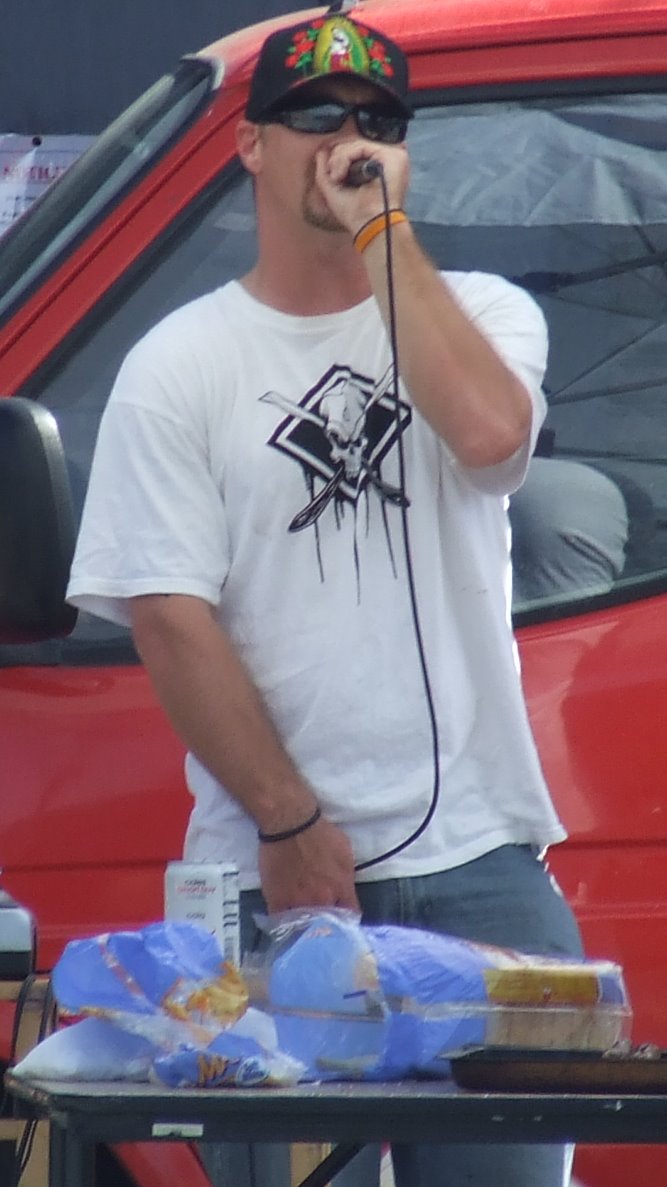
{"type": "Point", "coordinates": [499, 438]}
{"type": "Point", "coordinates": [493, 448]}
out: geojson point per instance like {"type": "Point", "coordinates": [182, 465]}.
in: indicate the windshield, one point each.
{"type": "Point", "coordinates": [117, 158]}
{"type": "Point", "coordinates": [567, 197]}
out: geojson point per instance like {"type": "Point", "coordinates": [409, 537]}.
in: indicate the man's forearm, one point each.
{"type": "Point", "coordinates": [455, 377]}
{"type": "Point", "coordinates": [216, 709]}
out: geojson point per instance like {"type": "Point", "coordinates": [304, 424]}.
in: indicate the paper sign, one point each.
{"type": "Point", "coordinates": [29, 165]}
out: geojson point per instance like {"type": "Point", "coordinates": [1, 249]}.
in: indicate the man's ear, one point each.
{"type": "Point", "coordinates": [249, 145]}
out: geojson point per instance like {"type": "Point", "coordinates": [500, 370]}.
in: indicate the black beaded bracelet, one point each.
{"type": "Point", "coordinates": [269, 838]}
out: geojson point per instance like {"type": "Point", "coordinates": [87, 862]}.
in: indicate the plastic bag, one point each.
{"type": "Point", "coordinates": [383, 1002]}
{"type": "Point", "coordinates": [319, 980]}
{"type": "Point", "coordinates": [167, 981]}
{"type": "Point", "coordinates": [246, 1054]}
{"type": "Point", "coordinates": [169, 985]}
{"type": "Point", "coordinates": [93, 1049]}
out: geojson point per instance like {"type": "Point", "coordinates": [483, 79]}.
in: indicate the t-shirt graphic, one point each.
{"type": "Point", "coordinates": [340, 433]}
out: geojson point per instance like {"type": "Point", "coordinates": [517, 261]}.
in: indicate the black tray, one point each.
{"type": "Point", "coordinates": [527, 1069]}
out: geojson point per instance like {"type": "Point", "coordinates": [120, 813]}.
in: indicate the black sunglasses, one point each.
{"type": "Point", "coordinates": [375, 121]}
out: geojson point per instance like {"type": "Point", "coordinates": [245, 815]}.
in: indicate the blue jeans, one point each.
{"type": "Point", "coordinates": [506, 897]}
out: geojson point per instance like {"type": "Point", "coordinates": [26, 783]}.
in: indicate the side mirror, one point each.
{"type": "Point", "coordinates": [37, 530]}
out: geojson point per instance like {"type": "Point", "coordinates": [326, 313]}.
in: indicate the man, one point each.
{"type": "Point", "coordinates": [315, 565]}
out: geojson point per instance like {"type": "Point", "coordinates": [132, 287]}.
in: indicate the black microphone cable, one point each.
{"type": "Point", "coordinates": [378, 172]}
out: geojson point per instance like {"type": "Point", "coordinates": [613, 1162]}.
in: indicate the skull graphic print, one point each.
{"type": "Point", "coordinates": [340, 433]}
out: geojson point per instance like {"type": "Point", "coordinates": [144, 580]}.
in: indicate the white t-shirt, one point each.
{"type": "Point", "coordinates": [252, 459]}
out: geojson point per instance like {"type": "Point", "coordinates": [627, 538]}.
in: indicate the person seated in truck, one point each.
{"type": "Point", "coordinates": [570, 530]}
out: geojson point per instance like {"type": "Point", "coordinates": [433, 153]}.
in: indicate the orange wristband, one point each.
{"type": "Point", "coordinates": [376, 226]}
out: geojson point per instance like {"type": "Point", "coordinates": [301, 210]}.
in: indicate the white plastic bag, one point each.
{"type": "Point", "coordinates": [93, 1049]}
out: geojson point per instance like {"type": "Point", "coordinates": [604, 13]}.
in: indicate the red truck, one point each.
{"type": "Point", "coordinates": [538, 149]}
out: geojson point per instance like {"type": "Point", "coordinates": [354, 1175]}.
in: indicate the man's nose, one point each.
{"type": "Point", "coordinates": [349, 130]}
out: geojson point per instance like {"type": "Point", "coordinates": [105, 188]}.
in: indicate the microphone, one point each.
{"type": "Point", "coordinates": [361, 172]}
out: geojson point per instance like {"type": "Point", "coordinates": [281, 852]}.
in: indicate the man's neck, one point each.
{"type": "Point", "coordinates": [320, 276]}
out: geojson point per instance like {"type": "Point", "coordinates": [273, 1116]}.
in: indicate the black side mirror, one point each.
{"type": "Point", "coordinates": [37, 529]}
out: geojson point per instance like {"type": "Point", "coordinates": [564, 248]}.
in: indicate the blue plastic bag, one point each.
{"type": "Point", "coordinates": [384, 1002]}
{"type": "Point", "coordinates": [169, 984]}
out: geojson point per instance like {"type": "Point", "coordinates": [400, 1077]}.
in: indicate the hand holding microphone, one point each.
{"type": "Point", "coordinates": [361, 172]}
{"type": "Point", "coordinates": [343, 171]}
{"type": "Point", "coordinates": [344, 168]}
{"type": "Point", "coordinates": [358, 174]}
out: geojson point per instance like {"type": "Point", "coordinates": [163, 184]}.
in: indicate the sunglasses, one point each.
{"type": "Point", "coordinates": [375, 121]}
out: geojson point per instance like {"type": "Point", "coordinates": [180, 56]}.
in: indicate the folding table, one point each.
{"type": "Point", "coordinates": [346, 1114]}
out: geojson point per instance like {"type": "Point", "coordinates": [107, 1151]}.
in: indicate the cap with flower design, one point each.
{"type": "Point", "coordinates": [321, 47]}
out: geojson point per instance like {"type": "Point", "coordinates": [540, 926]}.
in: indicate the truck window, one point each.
{"type": "Point", "coordinates": [564, 195]}
{"type": "Point", "coordinates": [213, 241]}
{"type": "Point", "coordinates": [567, 197]}
{"type": "Point", "coordinates": [116, 159]}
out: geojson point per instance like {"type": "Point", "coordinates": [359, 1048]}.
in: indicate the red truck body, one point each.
{"type": "Point", "coordinates": [94, 801]}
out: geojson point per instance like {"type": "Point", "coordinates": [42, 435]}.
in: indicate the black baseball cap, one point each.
{"type": "Point", "coordinates": [322, 47]}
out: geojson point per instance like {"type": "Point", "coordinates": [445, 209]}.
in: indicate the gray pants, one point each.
{"type": "Point", "coordinates": [506, 897]}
